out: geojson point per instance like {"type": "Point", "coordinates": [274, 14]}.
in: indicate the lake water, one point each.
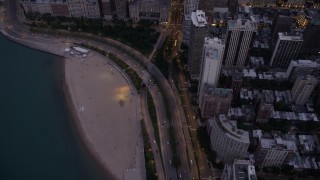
{"type": "Point", "coordinates": [38, 140]}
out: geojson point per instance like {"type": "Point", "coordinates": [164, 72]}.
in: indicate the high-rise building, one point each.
{"type": "Point", "coordinates": [84, 8]}
{"type": "Point", "coordinates": [300, 68]}
{"type": "Point", "coordinates": [311, 37]}
{"type": "Point", "coordinates": [303, 88]}
{"type": "Point", "coordinates": [189, 7]}
{"type": "Point", "coordinates": [186, 30]}
{"type": "Point", "coordinates": [240, 169]}
{"type": "Point", "coordinates": [211, 63]}
{"type": "Point", "coordinates": [275, 152]}
{"type": "Point", "coordinates": [214, 101]}
{"type": "Point", "coordinates": [227, 140]}
{"type": "Point", "coordinates": [286, 49]}
{"type": "Point", "coordinates": [239, 39]}
{"type": "Point", "coordinates": [198, 32]}
{"type": "Point", "coordinates": [281, 23]}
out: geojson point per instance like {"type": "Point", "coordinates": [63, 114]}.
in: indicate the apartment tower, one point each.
{"type": "Point", "coordinates": [303, 88]}
{"type": "Point", "coordinates": [198, 32]}
{"type": "Point", "coordinates": [211, 63]}
{"type": "Point", "coordinates": [189, 7]}
{"type": "Point", "coordinates": [239, 39]}
{"type": "Point", "coordinates": [286, 49]}
{"type": "Point", "coordinates": [227, 140]}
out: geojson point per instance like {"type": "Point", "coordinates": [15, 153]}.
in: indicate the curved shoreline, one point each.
{"type": "Point", "coordinates": [68, 98]}
{"type": "Point", "coordinates": [76, 123]}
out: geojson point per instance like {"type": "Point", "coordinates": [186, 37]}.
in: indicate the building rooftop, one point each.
{"type": "Point", "coordinates": [278, 143]}
{"type": "Point", "coordinates": [211, 52]}
{"type": "Point", "coordinates": [198, 18]}
{"type": "Point", "coordinates": [290, 36]}
{"type": "Point", "coordinates": [315, 21]}
{"type": "Point", "coordinates": [231, 130]}
{"type": "Point", "coordinates": [304, 63]}
{"type": "Point", "coordinates": [268, 96]}
{"type": "Point", "coordinates": [210, 90]}
{"type": "Point", "coordinates": [284, 96]}
{"type": "Point", "coordinates": [257, 133]}
{"type": "Point", "coordinates": [240, 170]}
{"type": "Point", "coordinates": [237, 112]}
{"type": "Point", "coordinates": [292, 116]}
{"type": "Point", "coordinates": [309, 162]}
{"type": "Point", "coordinates": [242, 24]}
{"type": "Point", "coordinates": [308, 142]}
{"type": "Point", "coordinates": [246, 94]}
{"type": "Point", "coordinates": [249, 73]}
{"type": "Point", "coordinates": [209, 40]}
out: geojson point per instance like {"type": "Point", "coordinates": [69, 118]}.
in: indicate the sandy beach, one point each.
{"type": "Point", "coordinates": [106, 109]}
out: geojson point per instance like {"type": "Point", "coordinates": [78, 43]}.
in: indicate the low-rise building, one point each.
{"type": "Point", "coordinates": [292, 116]}
{"type": "Point", "coordinates": [284, 96]}
{"type": "Point", "coordinates": [265, 107]}
{"type": "Point", "coordinates": [153, 10]}
{"type": "Point", "coordinates": [275, 151]}
{"type": "Point", "coordinates": [308, 144]}
{"type": "Point", "coordinates": [240, 169]}
{"type": "Point", "coordinates": [257, 62]}
{"type": "Point", "coordinates": [36, 6]}
{"type": "Point", "coordinates": [214, 101]}
{"type": "Point", "coordinates": [246, 94]}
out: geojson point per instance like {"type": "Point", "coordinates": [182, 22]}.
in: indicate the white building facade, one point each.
{"type": "Point", "coordinates": [229, 142]}
{"type": "Point", "coordinates": [211, 63]}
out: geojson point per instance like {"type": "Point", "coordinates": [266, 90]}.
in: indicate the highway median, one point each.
{"type": "Point", "coordinates": [148, 155]}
